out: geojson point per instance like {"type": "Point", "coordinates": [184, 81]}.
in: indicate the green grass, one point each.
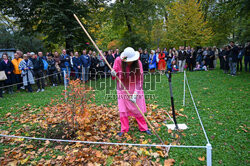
{"type": "Point", "coordinates": [222, 101]}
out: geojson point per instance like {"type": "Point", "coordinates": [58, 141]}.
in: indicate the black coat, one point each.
{"type": "Point", "coordinates": [234, 52]}
{"type": "Point", "coordinates": [144, 59]}
{"type": "Point", "coordinates": [8, 68]}
{"type": "Point", "coordinates": [110, 59]}
{"type": "Point", "coordinates": [37, 64]}
{"type": "Point", "coordinates": [188, 56]}
{"type": "Point", "coordinates": [116, 55]}
{"type": "Point", "coordinates": [51, 65]}
{"type": "Point", "coordinates": [182, 55]}
{"type": "Point", "coordinates": [94, 62]}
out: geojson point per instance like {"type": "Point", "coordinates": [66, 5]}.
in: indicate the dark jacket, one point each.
{"type": "Point", "coordinates": [188, 56]}
{"type": "Point", "coordinates": [234, 52]}
{"type": "Point", "coordinates": [65, 61]}
{"type": "Point", "coordinates": [77, 62]}
{"type": "Point", "coordinates": [86, 60]}
{"type": "Point", "coordinates": [8, 68]}
{"type": "Point", "coordinates": [116, 55]}
{"type": "Point", "coordinates": [247, 51]}
{"type": "Point", "coordinates": [144, 59]}
{"type": "Point", "coordinates": [199, 56]}
{"type": "Point", "coordinates": [110, 59]}
{"type": "Point", "coordinates": [37, 64]}
{"type": "Point", "coordinates": [182, 55]}
{"type": "Point", "coordinates": [51, 65]}
{"type": "Point", "coordinates": [94, 62]}
{"type": "Point", "coordinates": [212, 55]}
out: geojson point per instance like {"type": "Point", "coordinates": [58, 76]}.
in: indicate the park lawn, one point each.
{"type": "Point", "coordinates": [222, 101]}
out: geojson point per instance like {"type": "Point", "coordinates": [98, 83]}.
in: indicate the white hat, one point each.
{"type": "Point", "coordinates": [129, 55]}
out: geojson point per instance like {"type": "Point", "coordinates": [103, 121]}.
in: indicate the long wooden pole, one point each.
{"type": "Point", "coordinates": [117, 77]}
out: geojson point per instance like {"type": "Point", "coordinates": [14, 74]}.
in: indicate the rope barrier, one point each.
{"type": "Point", "coordinates": [34, 80]}
{"type": "Point", "coordinates": [197, 112]}
{"type": "Point", "coordinates": [46, 76]}
{"type": "Point", "coordinates": [101, 143]}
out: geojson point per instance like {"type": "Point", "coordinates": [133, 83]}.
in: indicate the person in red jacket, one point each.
{"type": "Point", "coordinates": [162, 62]}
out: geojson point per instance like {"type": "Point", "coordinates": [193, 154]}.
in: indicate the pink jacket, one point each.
{"type": "Point", "coordinates": [132, 83]}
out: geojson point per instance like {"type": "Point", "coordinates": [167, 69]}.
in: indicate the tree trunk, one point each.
{"type": "Point", "coordinates": [126, 18]}
{"type": "Point", "coordinates": [69, 45]}
{"type": "Point", "coordinates": [128, 24]}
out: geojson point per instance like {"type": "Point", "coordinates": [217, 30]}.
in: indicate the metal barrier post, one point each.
{"type": "Point", "coordinates": [65, 85]}
{"type": "Point", "coordinates": [184, 88]}
{"type": "Point", "coordinates": [209, 154]}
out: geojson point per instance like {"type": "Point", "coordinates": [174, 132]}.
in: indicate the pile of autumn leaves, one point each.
{"type": "Point", "coordinates": [79, 119]}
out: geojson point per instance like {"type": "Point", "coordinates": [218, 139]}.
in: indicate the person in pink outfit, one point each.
{"type": "Point", "coordinates": [129, 69]}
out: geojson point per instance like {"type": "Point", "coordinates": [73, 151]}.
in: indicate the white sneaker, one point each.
{"type": "Point", "coordinates": [22, 87]}
{"type": "Point", "coordinates": [54, 85]}
{"type": "Point", "coordinates": [42, 90]}
{"type": "Point", "coordinates": [38, 90]}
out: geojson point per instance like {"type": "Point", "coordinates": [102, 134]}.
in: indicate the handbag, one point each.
{"type": "Point", "coordinates": [3, 76]}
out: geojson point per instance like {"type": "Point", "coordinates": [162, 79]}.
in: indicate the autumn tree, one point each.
{"type": "Point", "coordinates": [186, 24]}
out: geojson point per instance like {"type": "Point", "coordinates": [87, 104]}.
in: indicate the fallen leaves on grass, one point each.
{"type": "Point", "coordinates": [201, 158]}
{"type": "Point", "coordinates": [169, 162]}
{"type": "Point", "coordinates": [64, 120]}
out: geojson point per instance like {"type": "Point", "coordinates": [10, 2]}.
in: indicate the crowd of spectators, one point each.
{"type": "Point", "coordinates": [33, 68]}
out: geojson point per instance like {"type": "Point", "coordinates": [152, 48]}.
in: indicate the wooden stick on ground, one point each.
{"type": "Point", "coordinates": [117, 78]}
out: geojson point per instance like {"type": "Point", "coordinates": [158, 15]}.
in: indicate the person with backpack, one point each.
{"type": "Point", "coordinates": [38, 68]}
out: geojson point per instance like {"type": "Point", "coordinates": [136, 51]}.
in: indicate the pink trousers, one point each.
{"type": "Point", "coordinates": [125, 123]}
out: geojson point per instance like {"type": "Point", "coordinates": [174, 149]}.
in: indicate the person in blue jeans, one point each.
{"type": "Point", "coordinates": [77, 66]}
{"type": "Point", "coordinates": [65, 66]}
{"type": "Point", "coordinates": [86, 62]}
